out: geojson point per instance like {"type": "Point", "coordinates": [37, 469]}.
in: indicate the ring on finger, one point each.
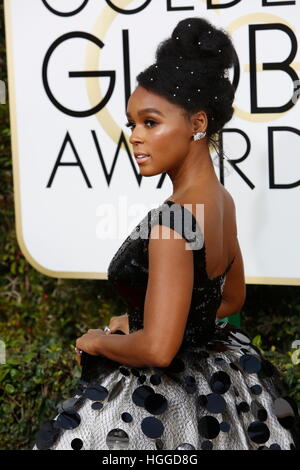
{"type": "Point", "coordinates": [107, 329]}
{"type": "Point", "coordinates": [78, 351]}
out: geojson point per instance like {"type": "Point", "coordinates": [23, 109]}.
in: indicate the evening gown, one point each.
{"type": "Point", "coordinates": [218, 393]}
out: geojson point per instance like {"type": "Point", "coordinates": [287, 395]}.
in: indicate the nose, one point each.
{"type": "Point", "coordinates": [135, 137]}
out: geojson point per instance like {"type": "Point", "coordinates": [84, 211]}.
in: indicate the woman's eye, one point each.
{"type": "Point", "coordinates": [151, 121]}
{"type": "Point", "coordinates": [131, 124]}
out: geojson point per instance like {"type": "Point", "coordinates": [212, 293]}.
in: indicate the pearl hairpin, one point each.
{"type": "Point", "coordinates": [177, 87]}
{"type": "Point", "coordinates": [177, 37]}
{"type": "Point", "coordinates": [199, 43]}
{"type": "Point", "coordinates": [156, 66]}
{"type": "Point", "coordinates": [192, 72]}
{"type": "Point", "coordinates": [151, 79]}
{"type": "Point", "coordinates": [199, 89]}
{"type": "Point", "coordinates": [177, 67]}
{"type": "Point", "coordinates": [220, 50]}
{"type": "Point", "coordinates": [216, 97]}
{"type": "Point", "coordinates": [189, 25]}
{"type": "Point", "coordinates": [189, 99]}
{"type": "Point", "coordinates": [209, 32]}
{"type": "Point", "coordinates": [174, 94]}
{"type": "Point", "coordinates": [180, 57]}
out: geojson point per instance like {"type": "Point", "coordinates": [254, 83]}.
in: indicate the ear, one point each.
{"type": "Point", "coordinates": [199, 121]}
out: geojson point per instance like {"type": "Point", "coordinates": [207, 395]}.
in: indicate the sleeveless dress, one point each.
{"type": "Point", "coordinates": [218, 393]}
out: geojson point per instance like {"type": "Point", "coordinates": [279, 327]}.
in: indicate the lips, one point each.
{"type": "Point", "coordinates": [141, 158]}
{"type": "Point", "coordinates": [140, 154]}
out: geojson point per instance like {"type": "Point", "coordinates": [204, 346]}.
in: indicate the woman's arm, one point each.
{"type": "Point", "coordinates": [134, 349]}
{"type": "Point", "coordinates": [166, 308]}
{"type": "Point", "coordinates": [234, 293]}
{"type": "Point", "coordinates": [226, 309]}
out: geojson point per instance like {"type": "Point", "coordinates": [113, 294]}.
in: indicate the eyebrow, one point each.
{"type": "Point", "coordinates": [147, 110]}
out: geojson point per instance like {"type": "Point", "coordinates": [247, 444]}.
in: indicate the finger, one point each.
{"type": "Point", "coordinates": [96, 330]}
{"type": "Point", "coordinates": [113, 327]}
{"type": "Point", "coordinates": [113, 324]}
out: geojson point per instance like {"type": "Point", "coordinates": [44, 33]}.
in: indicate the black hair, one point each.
{"type": "Point", "coordinates": [191, 70]}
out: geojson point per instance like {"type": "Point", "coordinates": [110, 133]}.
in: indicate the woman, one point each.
{"type": "Point", "coordinates": [177, 378]}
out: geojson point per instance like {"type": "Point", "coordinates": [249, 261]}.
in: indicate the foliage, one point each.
{"type": "Point", "coordinates": [287, 363]}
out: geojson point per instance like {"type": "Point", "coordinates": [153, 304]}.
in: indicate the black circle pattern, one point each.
{"type": "Point", "coordinates": [215, 403]}
{"type": "Point", "coordinates": [242, 407]}
{"type": "Point", "coordinates": [124, 371]}
{"type": "Point", "coordinates": [135, 372]}
{"type": "Point", "coordinates": [152, 427]}
{"type": "Point", "coordinates": [76, 444]}
{"type": "Point", "coordinates": [141, 393]}
{"type": "Point", "coordinates": [67, 420]}
{"type": "Point", "coordinates": [250, 363]}
{"type": "Point", "coordinates": [155, 379]}
{"type": "Point", "coordinates": [155, 403]}
{"type": "Point", "coordinates": [97, 405]}
{"type": "Point", "coordinates": [256, 389]}
{"type": "Point", "coordinates": [47, 435]}
{"type": "Point", "coordinates": [224, 426]}
{"type": "Point", "coordinates": [208, 427]}
{"type": "Point", "coordinates": [258, 432]}
{"type": "Point", "coordinates": [126, 417]}
{"type": "Point", "coordinates": [96, 392]}
{"type": "Point", "coordinates": [220, 382]}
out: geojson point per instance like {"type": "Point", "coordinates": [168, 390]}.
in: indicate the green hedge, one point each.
{"type": "Point", "coordinates": [41, 317]}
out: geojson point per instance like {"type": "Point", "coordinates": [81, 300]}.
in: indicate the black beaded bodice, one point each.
{"type": "Point", "coordinates": [128, 272]}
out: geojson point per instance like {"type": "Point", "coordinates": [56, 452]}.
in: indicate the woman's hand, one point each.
{"type": "Point", "coordinates": [119, 323]}
{"type": "Point", "coordinates": [89, 343]}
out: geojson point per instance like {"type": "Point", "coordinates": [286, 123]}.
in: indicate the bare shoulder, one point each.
{"type": "Point", "coordinates": [220, 218]}
{"type": "Point", "coordinates": [228, 199]}
{"type": "Point", "coordinates": [229, 208]}
{"type": "Point", "coordinates": [214, 192]}
{"type": "Point", "coordinates": [217, 201]}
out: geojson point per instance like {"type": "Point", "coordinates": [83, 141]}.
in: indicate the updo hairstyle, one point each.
{"type": "Point", "coordinates": [191, 70]}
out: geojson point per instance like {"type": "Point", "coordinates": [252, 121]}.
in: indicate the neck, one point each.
{"type": "Point", "coordinates": [195, 171]}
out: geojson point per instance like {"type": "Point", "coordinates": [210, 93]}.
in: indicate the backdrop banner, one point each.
{"type": "Point", "coordinates": [78, 189]}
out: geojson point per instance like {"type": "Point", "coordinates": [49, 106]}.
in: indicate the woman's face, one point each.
{"type": "Point", "coordinates": [159, 129]}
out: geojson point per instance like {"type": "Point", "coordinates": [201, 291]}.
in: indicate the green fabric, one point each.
{"type": "Point", "coordinates": [233, 320]}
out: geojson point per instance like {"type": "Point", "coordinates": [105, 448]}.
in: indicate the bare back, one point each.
{"type": "Point", "coordinates": [220, 238]}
